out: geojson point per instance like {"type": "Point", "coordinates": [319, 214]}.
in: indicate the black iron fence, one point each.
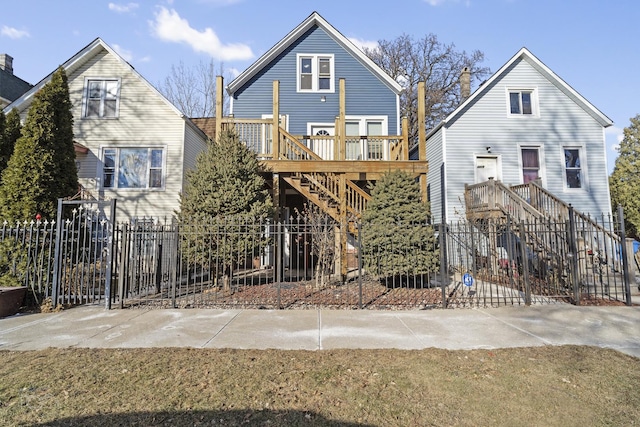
{"type": "Point", "coordinates": [83, 257]}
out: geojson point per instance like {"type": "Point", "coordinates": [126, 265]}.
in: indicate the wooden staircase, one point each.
{"type": "Point", "coordinates": [327, 191]}
{"type": "Point", "coordinates": [555, 233]}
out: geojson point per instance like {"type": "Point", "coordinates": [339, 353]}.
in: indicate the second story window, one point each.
{"type": "Point", "coordinates": [315, 73]}
{"type": "Point", "coordinates": [521, 103]}
{"type": "Point", "coordinates": [102, 98]}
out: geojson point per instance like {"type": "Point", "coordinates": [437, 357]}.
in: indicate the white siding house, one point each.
{"type": "Point", "coordinates": [132, 144]}
{"type": "Point", "coordinates": [523, 123]}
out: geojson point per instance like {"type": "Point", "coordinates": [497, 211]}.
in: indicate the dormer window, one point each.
{"type": "Point", "coordinates": [315, 73]}
{"type": "Point", "coordinates": [522, 103]}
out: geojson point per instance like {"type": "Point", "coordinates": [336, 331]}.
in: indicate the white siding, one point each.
{"type": "Point", "coordinates": [434, 178]}
{"type": "Point", "coordinates": [194, 144]}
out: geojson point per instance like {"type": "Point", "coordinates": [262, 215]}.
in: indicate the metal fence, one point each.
{"type": "Point", "coordinates": [83, 257]}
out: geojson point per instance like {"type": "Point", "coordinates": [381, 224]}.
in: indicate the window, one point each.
{"type": "Point", "coordinates": [521, 102]}
{"type": "Point", "coordinates": [133, 168]}
{"type": "Point", "coordinates": [315, 73]}
{"type": "Point", "coordinates": [101, 98]}
{"type": "Point", "coordinates": [530, 165]}
{"type": "Point", "coordinates": [572, 167]}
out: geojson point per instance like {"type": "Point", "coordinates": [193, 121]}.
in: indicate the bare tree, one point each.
{"type": "Point", "coordinates": [409, 61]}
{"type": "Point", "coordinates": [193, 90]}
{"type": "Point", "coordinates": [321, 229]}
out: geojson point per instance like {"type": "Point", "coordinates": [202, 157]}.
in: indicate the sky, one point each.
{"type": "Point", "coordinates": [593, 45]}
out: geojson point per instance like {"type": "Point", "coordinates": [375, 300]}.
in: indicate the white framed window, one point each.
{"type": "Point", "coordinates": [573, 167]}
{"type": "Point", "coordinates": [315, 73]}
{"type": "Point", "coordinates": [133, 168]}
{"type": "Point", "coordinates": [101, 98]}
{"type": "Point", "coordinates": [522, 103]}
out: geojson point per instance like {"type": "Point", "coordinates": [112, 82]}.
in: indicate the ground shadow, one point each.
{"type": "Point", "coordinates": [203, 418]}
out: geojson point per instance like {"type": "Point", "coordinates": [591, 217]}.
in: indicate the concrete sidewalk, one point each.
{"type": "Point", "coordinates": [95, 327]}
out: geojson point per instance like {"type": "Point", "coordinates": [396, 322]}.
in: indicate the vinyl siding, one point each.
{"type": "Point", "coordinates": [434, 178]}
{"type": "Point", "coordinates": [366, 94]}
{"type": "Point", "coordinates": [561, 122]}
{"type": "Point", "coordinates": [194, 144]}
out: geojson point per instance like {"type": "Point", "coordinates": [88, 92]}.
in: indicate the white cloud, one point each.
{"type": "Point", "coordinates": [123, 8]}
{"type": "Point", "coordinates": [14, 33]}
{"type": "Point", "coordinates": [127, 55]}
{"type": "Point", "coordinates": [169, 26]}
{"type": "Point", "coordinates": [369, 44]}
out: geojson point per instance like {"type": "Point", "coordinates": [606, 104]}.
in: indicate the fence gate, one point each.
{"type": "Point", "coordinates": [83, 252]}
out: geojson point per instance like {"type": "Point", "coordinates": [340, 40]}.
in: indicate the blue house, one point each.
{"type": "Point", "coordinates": [309, 63]}
{"type": "Point", "coordinates": [323, 118]}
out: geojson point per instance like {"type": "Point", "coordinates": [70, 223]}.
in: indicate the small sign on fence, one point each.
{"type": "Point", "coordinates": [467, 279]}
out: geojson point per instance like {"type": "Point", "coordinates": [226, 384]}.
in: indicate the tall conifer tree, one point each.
{"type": "Point", "coordinates": [397, 238]}
{"type": "Point", "coordinates": [225, 193]}
{"type": "Point", "coordinates": [624, 182]}
{"type": "Point", "coordinates": [9, 134]}
{"type": "Point", "coordinates": [42, 167]}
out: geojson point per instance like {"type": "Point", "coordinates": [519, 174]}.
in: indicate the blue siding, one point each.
{"type": "Point", "coordinates": [366, 94]}
{"type": "Point", "coordinates": [561, 122]}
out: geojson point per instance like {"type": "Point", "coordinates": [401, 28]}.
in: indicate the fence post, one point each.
{"type": "Point", "coordinates": [625, 257]}
{"type": "Point", "coordinates": [573, 254]}
{"type": "Point", "coordinates": [443, 262]}
{"type": "Point", "coordinates": [525, 264]}
{"type": "Point", "coordinates": [110, 258]}
{"type": "Point", "coordinates": [56, 257]}
{"type": "Point", "coordinates": [278, 263]}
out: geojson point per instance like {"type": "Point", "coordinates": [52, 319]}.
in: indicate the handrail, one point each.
{"type": "Point", "coordinates": [493, 195]}
{"type": "Point", "coordinates": [554, 207]}
{"type": "Point", "coordinates": [329, 184]}
{"type": "Point", "coordinates": [292, 149]}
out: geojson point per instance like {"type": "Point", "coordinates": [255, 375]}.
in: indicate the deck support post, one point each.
{"type": "Point", "coordinates": [275, 127]}
{"type": "Point", "coordinates": [219, 104]}
{"type": "Point", "coordinates": [276, 197]}
{"type": "Point", "coordinates": [341, 130]}
{"type": "Point", "coordinates": [422, 136]}
{"type": "Point", "coordinates": [344, 228]}
{"type": "Point", "coordinates": [405, 138]}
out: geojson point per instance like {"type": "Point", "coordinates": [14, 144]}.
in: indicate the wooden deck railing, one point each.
{"type": "Point", "coordinates": [256, 134]}
{"type": "Point", "coordinates": [494, 197]}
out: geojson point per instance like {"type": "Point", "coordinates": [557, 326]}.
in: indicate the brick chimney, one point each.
{"type": "Point", "coordinates": [465, 84]}
{"type": "Point", "coordinates": [6, 63]}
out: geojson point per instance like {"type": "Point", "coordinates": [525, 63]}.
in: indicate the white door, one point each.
{"type": "Point", "coordinates": [323, 147]}
{"type": "Point", "coordinates": [486, 167]}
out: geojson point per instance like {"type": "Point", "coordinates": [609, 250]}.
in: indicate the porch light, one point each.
{"type": "Point", "coordinates": [323, 98]}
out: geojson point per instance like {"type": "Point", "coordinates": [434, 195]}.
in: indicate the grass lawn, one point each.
{"type": "Point", "coordinates": [540, 386]}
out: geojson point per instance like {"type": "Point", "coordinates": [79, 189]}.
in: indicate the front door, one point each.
{"type": "Point", "coordinates": [486, 167]}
